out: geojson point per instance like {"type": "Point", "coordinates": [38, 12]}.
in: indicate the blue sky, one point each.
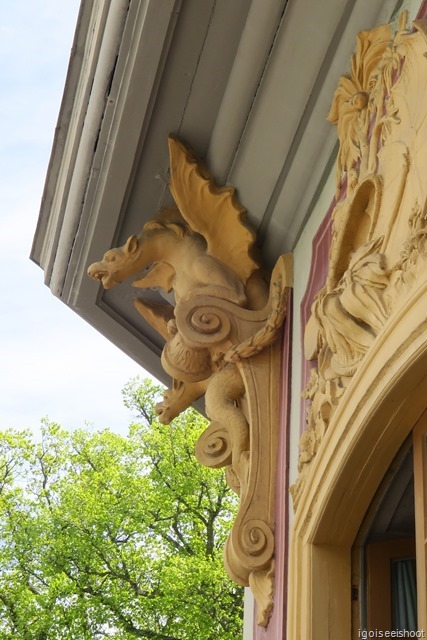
{"type": "Point", "coordinates": [53, 363]}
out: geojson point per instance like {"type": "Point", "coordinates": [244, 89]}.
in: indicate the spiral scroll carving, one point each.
{"type": "Point", "coordinates": [202, 325]}
{"type": "Point", "coordinates": [206, 322]}
{"type": "Point", "coordinates": [249, 548]}
{"type": "Point", "coordinates": [214, 448]}
{"type": "Point", "coordinates": [257, 541]}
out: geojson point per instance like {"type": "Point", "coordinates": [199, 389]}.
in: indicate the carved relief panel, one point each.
{"type": "Point", "coordinates": [378, 251]}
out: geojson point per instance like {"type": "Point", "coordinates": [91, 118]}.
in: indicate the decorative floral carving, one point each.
{"type": "Point", "coordinates": [363, 107]}
{"type": "Point", "coordinates": [414, 250]}
{"type": "Point", "coordinates": [221, 340]}
{"type": "Point", "coordinates": [379, 243]}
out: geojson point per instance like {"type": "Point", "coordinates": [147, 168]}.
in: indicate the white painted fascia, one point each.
{"type": "Point", "coordinates": [144, 47]}
{"type": "Point", "coordinates": [80, 114]}
{"type": "Point", "coordinates": [106, 26]}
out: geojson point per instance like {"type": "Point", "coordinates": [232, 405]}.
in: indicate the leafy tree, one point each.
{"type": "Point", "coordinates": [103, 536]}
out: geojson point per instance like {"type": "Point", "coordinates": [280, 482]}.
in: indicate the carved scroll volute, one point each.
{"type": "Point", "coordinates": [221, 340]}
{"type": "Point", "coordinates": [242, 402]}
{"type": "Point", "coordinates": [249, 552]}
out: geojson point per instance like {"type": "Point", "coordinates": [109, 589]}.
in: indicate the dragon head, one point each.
{"type": "Point", "coordinates": [116, 265]}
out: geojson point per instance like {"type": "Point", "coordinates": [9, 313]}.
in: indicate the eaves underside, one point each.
{"type": "Point", "coordinates": [236, 83]}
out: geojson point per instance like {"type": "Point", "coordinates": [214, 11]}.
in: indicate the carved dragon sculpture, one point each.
{"type": "Point", "coordinates": [187, 252]}
{"type": "Point", "coordinates": [182, 251]}
{"type": "Point", "coordinates": [220, 341]}
{"type": "Point", "coordinates": [178, 261]}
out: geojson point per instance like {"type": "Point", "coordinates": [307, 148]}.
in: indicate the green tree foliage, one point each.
{"type": "Point", "coordinates": [103, 536]}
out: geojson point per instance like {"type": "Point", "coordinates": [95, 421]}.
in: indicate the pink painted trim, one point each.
{"type": "Point", "coordinates": [422, 11]}
{"type": "Point", "coordinates": [319, 263]}
{"type": "Point", "coordinates": [276, 629]}
{"type": "Point", "coordinates": [316, 279]}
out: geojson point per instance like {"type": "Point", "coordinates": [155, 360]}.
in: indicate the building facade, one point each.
{"type": "Point", "coordinates": [319, 383]}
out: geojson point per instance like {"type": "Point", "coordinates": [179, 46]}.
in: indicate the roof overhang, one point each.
{"type": "Point", "coordinates": [246, 84]}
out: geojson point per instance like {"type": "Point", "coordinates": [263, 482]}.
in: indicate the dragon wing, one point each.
{"type": "Point", "coordinates": [212, 211]}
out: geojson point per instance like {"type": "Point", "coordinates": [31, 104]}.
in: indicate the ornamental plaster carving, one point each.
{"type": "Point", "coordinates": [221, 341]}
{"type": "Point", "coordinates": [378, 251]}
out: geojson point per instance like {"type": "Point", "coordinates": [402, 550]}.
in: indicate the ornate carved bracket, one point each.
{"type": "Point", "coordinates": [378, 249]}
{"type": "Point", "coordinates": [221, 340]}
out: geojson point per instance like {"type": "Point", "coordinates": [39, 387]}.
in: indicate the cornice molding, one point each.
{"type": "Point", "coordinates": [83, 104]}
{"type": "Point", "coordinates": [99, 118]}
